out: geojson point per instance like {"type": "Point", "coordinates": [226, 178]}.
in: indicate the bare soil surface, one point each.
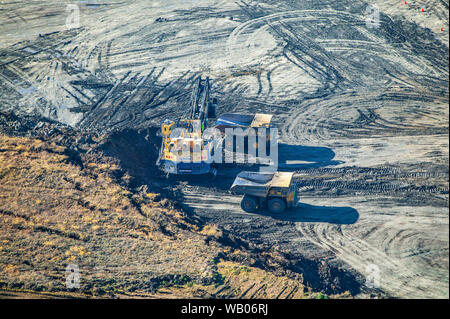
{"type": "Point", "coordinates": [361, 108]}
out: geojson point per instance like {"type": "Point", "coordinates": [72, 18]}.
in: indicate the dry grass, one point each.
{"type": "Point", "coordinates": [55, 211]}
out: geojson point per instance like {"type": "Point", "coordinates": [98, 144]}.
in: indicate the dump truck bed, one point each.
{"type": "Point", "coordinates": [259, 184]}
{"type": "Point", "coordinates": [243, 121]}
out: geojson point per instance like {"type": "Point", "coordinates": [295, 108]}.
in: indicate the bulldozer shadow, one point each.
{"type": "Point", "coordinates": [293, 157]}
{"type": "Point", "coordinates": [319, 214]}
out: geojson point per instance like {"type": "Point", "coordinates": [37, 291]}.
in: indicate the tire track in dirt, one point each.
{"type": "Point", "coordinates": [403, 99]}
{"type": "Point", "coordinates": [399, 275]}
{"type": "Point", "coordinates": [370, 57]}
{"type": "Point", "coordinates": [360, 114]}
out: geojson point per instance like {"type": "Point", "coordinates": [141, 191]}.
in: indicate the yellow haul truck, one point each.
{"type": "Point", "coordinates": [274, 191]}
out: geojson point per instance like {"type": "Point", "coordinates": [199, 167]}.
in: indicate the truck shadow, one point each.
{"type": "Point", "coordinates": [291, 157]}
{"type": "Point", "coordinates": [319, 214]}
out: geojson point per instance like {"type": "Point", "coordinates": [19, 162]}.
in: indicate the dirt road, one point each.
{"type": "Point", "coordinates": [361, 104]}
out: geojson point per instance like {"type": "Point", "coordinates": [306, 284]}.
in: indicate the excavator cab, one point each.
{"type": "Point", "coordinates": [183, 150]}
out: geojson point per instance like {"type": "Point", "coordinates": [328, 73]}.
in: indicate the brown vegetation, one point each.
{"type": "Point", "coordinates": [56, 211]}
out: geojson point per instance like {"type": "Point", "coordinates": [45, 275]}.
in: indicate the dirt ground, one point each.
{"type": "Point", "coordinates": [361, 106]}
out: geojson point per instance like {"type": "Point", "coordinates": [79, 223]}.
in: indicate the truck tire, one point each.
{"type": "Point", "coordinates": [249, 204]}
{"type": "Point", "coordinates": [276, 205]}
